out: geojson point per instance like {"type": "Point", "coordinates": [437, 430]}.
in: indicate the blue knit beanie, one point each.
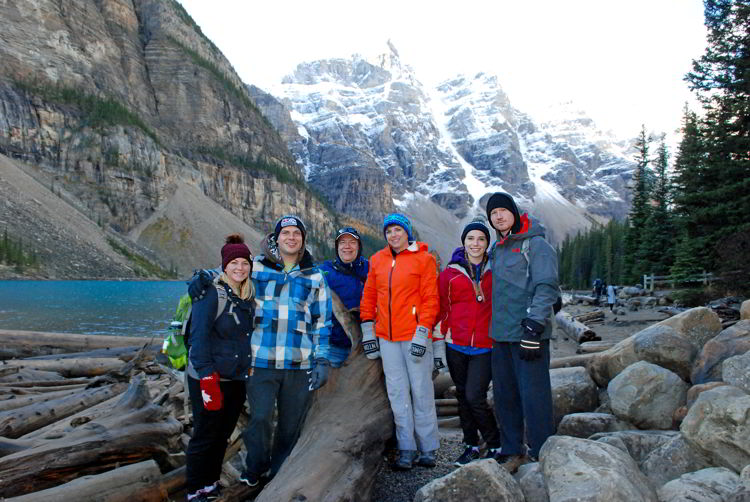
{"type": "Point", "coordinates": [400, 220]}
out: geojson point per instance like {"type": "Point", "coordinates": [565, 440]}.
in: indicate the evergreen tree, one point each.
{"type": "Point", "coordinates": [639, 211]}
{"type": "Point", "coordinates": [693, 248]}
{"type": "Point", "coordinates": [656, 252]}
{"type": "Point", "coordinates": [721, 79]}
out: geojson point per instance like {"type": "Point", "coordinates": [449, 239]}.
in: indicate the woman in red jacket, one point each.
{"type": "Point", "coordinates": [465, 312]}
{"type": "Point", "coordinates": [399, 308]}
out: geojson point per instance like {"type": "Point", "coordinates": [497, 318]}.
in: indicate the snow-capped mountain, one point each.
{"type": "Point", "coordinates": [372, 137]}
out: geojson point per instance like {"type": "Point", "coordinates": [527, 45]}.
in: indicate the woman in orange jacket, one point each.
{"type": "Point", "coordinates": [399, 307]}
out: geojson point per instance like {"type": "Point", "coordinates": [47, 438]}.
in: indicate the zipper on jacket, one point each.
{"type": "Point", "coordinates": [415, 313]}
{"type": "Point", "coordinates": [390, 310]}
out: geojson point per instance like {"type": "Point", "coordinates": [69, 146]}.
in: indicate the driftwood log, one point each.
{"type": "Point", "coordinates": [589, 347]}
{"type": "Point", "coordinates": [582, 360]}
{"type": "Point", "coordinates": [594, 315]}
{"type": "Point", "coordinates": [70, 367]}
{"type": "Point", "coordinates": [340, 447]}
{"type": "Point", "coordinates": [133, 430]}
{"type": "Point", "coordinates": [574, 329]}
{"type": "Point", "coordinates": [19, 344]}
{"type": "Point", "coordinates": [140, 482]}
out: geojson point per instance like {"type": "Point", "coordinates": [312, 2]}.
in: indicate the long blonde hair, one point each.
{"type": "Point", "coordinates": [245, 291]}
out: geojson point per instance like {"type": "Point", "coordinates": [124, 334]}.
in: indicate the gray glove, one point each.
{"type": "Point", "coordinates": [319, 374]}
{"type": "Point", "coordinates": [369, 342]}
{"type": "Point", "coordinates": [438, 353]}
{"type": "Point", "coordinates": [419, 343]}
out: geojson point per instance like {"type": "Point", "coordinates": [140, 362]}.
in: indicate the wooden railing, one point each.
{"type": "Point", "coordinates": [650, 281]}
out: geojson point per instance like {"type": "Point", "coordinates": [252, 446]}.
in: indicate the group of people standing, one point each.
{"type": "Point", "coordinates": [486, 317]}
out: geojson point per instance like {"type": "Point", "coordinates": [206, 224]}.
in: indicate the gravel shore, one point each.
{"type": "Point", "coordinates": [401, 486]}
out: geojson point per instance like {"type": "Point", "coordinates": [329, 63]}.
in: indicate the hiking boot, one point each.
{"type": "Point", "coordinates": [427, 459]}
{"type": "Point", "coordinates": [492, 453]}
{"type": "Point", "coordinates": [510, 463]}
{"type": "Point", "coordinates": [249, 478]}
{"type": "Point", "coordinates": [405, 460]}
{"type": "Point", "coordinates": [470, 453]}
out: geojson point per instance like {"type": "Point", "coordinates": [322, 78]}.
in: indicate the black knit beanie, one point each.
{"type": "Point", "coordinates": [476, 224]}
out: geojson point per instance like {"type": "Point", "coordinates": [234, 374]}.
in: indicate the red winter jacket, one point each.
{"type": "Point", "coordinates": [460, 312]}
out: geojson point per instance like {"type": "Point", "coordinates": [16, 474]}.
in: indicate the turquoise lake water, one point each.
{"type": "Point", "coordinates": [133, 308]}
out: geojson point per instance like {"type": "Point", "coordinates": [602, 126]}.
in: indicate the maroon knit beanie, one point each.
{"type": "Point", "coordinates": [234, 248]}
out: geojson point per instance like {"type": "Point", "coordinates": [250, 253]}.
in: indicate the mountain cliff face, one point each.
{"type": "Point", "coordinates": [119, 102]}
{"type": "Point", "coordinates": [373, 123]}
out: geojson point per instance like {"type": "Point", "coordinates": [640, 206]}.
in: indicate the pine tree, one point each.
{"type": "Point", "coordinates": [692, 248]}
{"type": "Point", "coordinates": [656, 252]}
{"type": "Point", "coordinates": [639, 211]}
{"type": "Point", "coordinates": [721, 79]}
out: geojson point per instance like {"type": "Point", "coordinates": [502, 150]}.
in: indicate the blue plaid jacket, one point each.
{"type": "Point", "coordinates": [293, 313]}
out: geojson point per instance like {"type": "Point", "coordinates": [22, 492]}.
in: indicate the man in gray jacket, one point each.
{"type": "Point", "coordinates": [524, 288]}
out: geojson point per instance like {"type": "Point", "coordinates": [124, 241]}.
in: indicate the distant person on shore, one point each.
{"type": "Point", "coordinates": [399, 307]}
{"type": "Point", "coordinates": [611, 297]}
{"type": "Point", "coordinates": [465, 311]}
{"type": "Point", "coordinates": [290, 345]}
{"type": "Point", "coordinates": [218, 366]}
{"type": "Point", "coordinates": [597, 291]}
{"type": "Point", "coordinates": [524, 290]}
{"type": "Point", "coordinates": [345, 275]}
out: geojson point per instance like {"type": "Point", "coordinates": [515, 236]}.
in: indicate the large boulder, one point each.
{"type": "Point", "coordinates": [531, 481]}
{"type": "Point", "coordinates": [671, 460]}
{"type": "Point", "coordinates": [733, 341]}
{"type": "Point", "coordinates": [480, 481]}
{"type": "Point", "coordinates": [696, 390]}
{"type": "Point", "coordinates": [573, 390]}
{"type": "Point", "coordinates": [647, 395]}
{"type": "Point", "coordinates": [582, 470]}
{"type": "Point", "coordinates": [718, 424]}
{"type": "Point", "coordinates": [736, 371]}
{"type": "Point", "coordinates": [658, 344]}
{"type": "Point", "coordinates": [699, 324]}
{"type": "Point", "coordinates": [714, 484]}
{"type": "Point", "coordinates": [630, 291]}
{"type": "Point", "coordinates": [662, 345]}
{"type": "Point", "coordinates": [639, 444]}
{"type": "Point", "coordinates": [583, 425]}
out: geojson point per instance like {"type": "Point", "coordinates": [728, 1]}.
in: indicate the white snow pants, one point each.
{"type": "Point", "coordinates": [411, 394]}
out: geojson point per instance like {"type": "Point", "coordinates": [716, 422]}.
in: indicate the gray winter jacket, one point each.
{"type": "Point", "coordinates": [521, 289]}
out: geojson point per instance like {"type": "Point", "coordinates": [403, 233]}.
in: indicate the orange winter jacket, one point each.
{"type": "Point", "coordinates": [401, 292]}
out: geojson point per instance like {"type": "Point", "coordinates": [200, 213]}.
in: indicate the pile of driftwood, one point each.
{"type": "Point", "coordinates": [101, 418]}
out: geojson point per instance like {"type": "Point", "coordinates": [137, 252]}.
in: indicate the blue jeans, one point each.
{"type": "Point", "coordinates": [522, 393]}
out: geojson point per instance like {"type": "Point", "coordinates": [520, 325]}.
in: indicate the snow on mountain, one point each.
{"type": "Point", "coordinates": [372, 138]}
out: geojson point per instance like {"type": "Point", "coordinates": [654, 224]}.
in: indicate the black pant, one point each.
{"type": "Point", "coordinates": [289, 391]}
{"type": "Point", "coordinates": [472, 376]}
{"type": "Point", "coordinates": [211, 431]}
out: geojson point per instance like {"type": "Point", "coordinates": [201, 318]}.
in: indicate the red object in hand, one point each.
{"type": "Point", "coordinates": [211, 392]}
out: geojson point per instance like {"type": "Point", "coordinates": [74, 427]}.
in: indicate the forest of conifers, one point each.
{"type": "Point", "coordinates": [695, 216]}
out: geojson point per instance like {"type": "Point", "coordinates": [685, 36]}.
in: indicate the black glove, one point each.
{"type": "Point", "coordinates": [198, 284]}
{"type": "Point", "coordinates": [531, 339]}
{"type": "Point", "coordinates": [319, 374]}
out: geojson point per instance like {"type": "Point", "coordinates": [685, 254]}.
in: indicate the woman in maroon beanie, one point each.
{"type": "Point", "coordinates": [218, 364]}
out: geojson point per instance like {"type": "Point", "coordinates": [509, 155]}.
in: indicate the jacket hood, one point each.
{"type": "Point", "coordinates": [272, 254]}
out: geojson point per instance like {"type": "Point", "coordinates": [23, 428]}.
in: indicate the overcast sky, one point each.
{"type": "Point", "coordinates": [622, 61]}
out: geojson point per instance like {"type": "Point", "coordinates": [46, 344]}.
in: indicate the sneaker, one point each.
{"type": "Point", "coordinates": [470, 453]}
{"type": "Point", "coordinates": [214, 494]}
{"type": "Point", "coordinates": [249, 478]}
{"type": "Point", "coordinates": [427, 459]}
{"type": "Point", "coordinates": [510, 463]}
{"type": "Point", "coordinates": [405, 460]}
{"type": "Point", "coordinates": [492, 453]}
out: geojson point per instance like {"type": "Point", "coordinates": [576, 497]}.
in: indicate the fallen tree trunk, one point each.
{"type": "Point", "coordinates": [21, 401]}
{"type": "Point", "coordinates": [574, 329]}
{"type": "Point", "coordinates": [134, 430]}
{"type": "Point", "coordinates": [46, 383]}
{"type": "Point", "coordinates": [595, 315]}
{"type": "Point", "coordinates": [341, 444]}
{"type": "Point", "coordinates": [16, 423]}
{"type": "Point", "coordinates": [589, 347]}
{"type": "Point", "coordinates": [75, 367]}
{"type": "Point", "coordinates": [447, 411]}
{"type": "Point", "coordinates": [140, 482]}
{"type": "Point", "coordinates": [572, 361]}
{"type": "Point", "coordinates": [19, 344]}
{"type": "Point", "coordinates": [121, 353]}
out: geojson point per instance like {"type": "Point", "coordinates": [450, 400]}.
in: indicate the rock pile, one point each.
{"type": "Point", "coordinates": [664, 415]}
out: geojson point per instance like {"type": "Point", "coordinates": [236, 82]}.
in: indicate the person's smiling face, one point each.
{"type": "Point", "coordinates": [475, 244]}
{"type": "Point", "coordinates": [397, 237]}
